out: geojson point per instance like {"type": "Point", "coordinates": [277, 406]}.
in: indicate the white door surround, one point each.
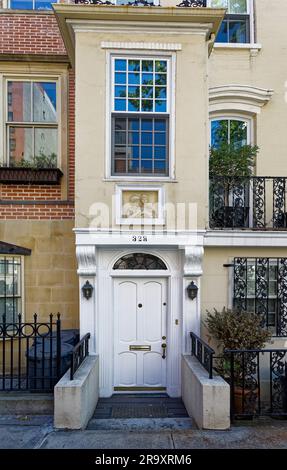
{"type": "Point", "coordinates": [96, 261]}
{"type": "Point", "coordinates": [140, 308]}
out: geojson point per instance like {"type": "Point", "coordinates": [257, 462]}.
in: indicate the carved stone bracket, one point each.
{"type": "Point", "coordinates": [193, 260]}
{"type": "Point", "coordinates": [87, 261]}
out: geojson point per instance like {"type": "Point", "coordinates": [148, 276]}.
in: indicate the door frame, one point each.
{"type": "Point", "coordinates": [164, 278]}
{"type": "Point", "coordinates": [104, 315]}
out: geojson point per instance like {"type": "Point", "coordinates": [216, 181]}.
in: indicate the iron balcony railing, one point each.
{"type": "Point", "coordinates": [257, 379]}
{"type": "Point", "coordinates": [258, 203]}
{"type": "Point", "coordinates": [79, 354]}
{"type": "Point", "coordinates": [203, 353]}
{"type": "Point", "coordinates": [148, 3]}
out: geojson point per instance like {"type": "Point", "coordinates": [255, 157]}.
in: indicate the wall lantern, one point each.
{"type": "Point", "coordinates": [192, 290]}
{"type": "Point", "coordinates": [87, 290]}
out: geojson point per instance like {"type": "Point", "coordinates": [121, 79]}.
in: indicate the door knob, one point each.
{"type": "Point", "coordinates": [140, 305]}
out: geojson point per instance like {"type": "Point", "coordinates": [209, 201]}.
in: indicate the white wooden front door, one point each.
{"type": "Point", "coordinates": [140, 306]}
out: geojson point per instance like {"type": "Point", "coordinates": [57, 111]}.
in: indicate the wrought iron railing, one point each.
{"type": "Point", "coordinates": [257, 379]}
{"type": "Point", "coordinates": [147, 3]}
{"type": "Point", "coordinates": [203, 353]}
{"type": "Point", "coordinates": [258, 203]}
{"type": "Point", "coordinates": [30, 354]}
{"type": "Point", "coordinates": [79, 354]}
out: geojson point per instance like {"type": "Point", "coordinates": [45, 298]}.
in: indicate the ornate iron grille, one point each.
{"type": "Point", "coordinates": [135, 3]}
{"type": "Point", "coordinates": [260, 285]}
{"type": "Point", "coordinates": [203, 353]}
{"type": "Point", "coordinates": [139, 261]}
{"type": "Point", "coordinates": [258, 381]}
{"type": "Point", "coordinates": [258, 202]}
{"type": "Point", "coordinates": [192, 3]}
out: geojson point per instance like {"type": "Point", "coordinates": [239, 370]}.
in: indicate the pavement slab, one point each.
{"type": "Point", "coordinates": [107, 440]}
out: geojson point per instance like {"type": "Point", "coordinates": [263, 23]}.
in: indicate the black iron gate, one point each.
{"type": "Point", "coordinates": [30, 355]}
{"type": "Point", "coordinates": [258, 381]}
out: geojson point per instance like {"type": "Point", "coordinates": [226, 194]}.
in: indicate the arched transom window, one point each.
{"type": "Point", "coordinates": [139, 261]}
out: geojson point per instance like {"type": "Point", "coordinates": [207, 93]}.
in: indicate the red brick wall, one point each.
{"type": "Point", "coordinates": [38, 33]}
{"type": "Point", "coordinates": [30, 34]}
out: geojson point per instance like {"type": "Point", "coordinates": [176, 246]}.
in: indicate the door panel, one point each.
{"type": "Point", "coordinates": [140, 324]}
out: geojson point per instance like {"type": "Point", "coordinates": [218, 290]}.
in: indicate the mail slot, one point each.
{"type": "Point", "coordinates": [140, 347]}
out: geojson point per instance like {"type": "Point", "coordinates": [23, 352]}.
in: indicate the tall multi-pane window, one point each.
{"type": "Point", "coordinates": [32, 123]}
{"type": "Point", "coordinates": [140, 116]}
{"type": "Point", "coordinates": [235, 28]}
{"type": "Point", "coordinates": [31, 4]}
{"type": "Point", "coordinates": [10, 287]}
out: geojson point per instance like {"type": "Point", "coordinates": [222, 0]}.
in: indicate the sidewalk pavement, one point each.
{"type": "Point", "coordinates": [36, 432]}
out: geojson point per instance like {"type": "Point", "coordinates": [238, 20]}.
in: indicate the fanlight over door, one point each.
{"type": "Point", "coordinates": [139, 261]}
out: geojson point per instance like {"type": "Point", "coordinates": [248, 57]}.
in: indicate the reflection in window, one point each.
{"type": "Point", "coordinates": [229, 131]}
{"type": "Point", "coordinates": [235, 28]}
{"type": "Point", "coordinates": [31, 4]}
{"type": "Point", "coordinates": [32, 123]}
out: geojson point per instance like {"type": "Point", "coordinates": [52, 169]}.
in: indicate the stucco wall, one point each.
{"type": "Point", "coordinates": [190, 128]}
{"type": "Point", "coordinates": [267, 69]}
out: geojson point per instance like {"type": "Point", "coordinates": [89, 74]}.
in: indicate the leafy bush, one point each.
{"type": "Point", "coordinates": [237, 330]}
{"type": "Point", "coordinates": [41, 161]}
{"type": "Point", "coordinates": [232, 161]}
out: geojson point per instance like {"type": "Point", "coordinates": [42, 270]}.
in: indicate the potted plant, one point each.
{"type": "Point", "coordinates": [234, 330]}
{"type": "Point", "coordinates": [230, 167]}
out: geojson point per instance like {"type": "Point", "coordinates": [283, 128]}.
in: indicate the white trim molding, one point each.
{"type": "Point", "coordinates": [245, 239]}
{"type": "Point", "coordinates": [193, 256]}
{"type": "Point", "coordinates": [87, 261]}
{"type": "Point", "coordinates": [154, 46]}
{"type": "Point", "coordinates": [238, 97]}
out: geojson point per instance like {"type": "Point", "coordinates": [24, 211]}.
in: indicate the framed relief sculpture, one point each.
{"type": "Point", "coordinates": [139, 205]}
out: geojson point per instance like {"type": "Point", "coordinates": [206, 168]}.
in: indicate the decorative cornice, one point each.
{"type": "Point", "coordinates": [244, 97]}
{"type": "Point", "coordinates": [141, 45]}
{"type": "Point", "coordinates": [87, 261]}
{"type": "Point", "coordinates": [193, 260]}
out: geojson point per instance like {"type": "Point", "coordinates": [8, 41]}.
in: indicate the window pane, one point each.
{"type": "Point", "coordinates": [160, 138]}
{"type": "Point", "coordinates": [147, 65]}
{"type": "Point", "coordinates": [160, 79]}
{"type": "Point", "coordinates": [147, 124]}
{"type": "Point", "coordinates": [160, 92]}
{"type": "Point", "coordinates": [120, 138]}
{"type": "Point", "coordinates": [120, 78]}
{"type": "Point", "coordinates": [147, 79]}
{"type": "Point", "coordinates": [160, 153]}
{"type": "Point", "coordinates": [134, 91]}
{"type": "Point", "coordinates": [161, 66]}
{"type": "Point", "coordinates": [120, 166]}
{"type": "Point", "coordinates": [238, 31]}
{"type": "Point", "coordinates": [46, 146]}
{"type": "Point", "coordinates": [219, 3]}
{"type": "Point", "coordinates": [134, 65]}
{"type": "Point", "coordinates": [44, 102]}
{"type": "Point", "coordinates": [43, 4]}
{"type": "Point", "coordinates": [20, 144]}
{"type": "Point", "coordinates": [147, 152]}
{"type": "Point", "coordinates": [219, 132]}
{"type": "Point", "coordinates": [21, 4]}
{"type": "Point", "coordinates": [146, 166]}
{"type": "Point", "coordinates": [160, 106]}
{"type": "Point", "coordinates": [133, 124]}
{"type": "Point", "coordinates": [134, 78]}
{"type": "Point", "coordinates": [238, 133]}
{"type": "Point", "coordinates": [133, 105]}
{"type": "Point", "coordinates": [134, 138]}
{"type": "Point", "coordinates": [159, 167]}
{"type": "Point", "coordinates": [19, 101]}
{"type": "Point", "coordinates": [133, 166]}
{"type": "Point", "coordinates": [120, 91]}
{"type": "Point", "coordinates": [222, 35]}
{"type": "Point", "coordinates": [238, 6]}
{"type": "Point", "coordinates": [120, 64]}
{"type": "Point", "coordinates": [147, 92]}
{"type": "Point", "coordinates": [147, 105]}
{"type": "Point", "coordinates": [120, 105]}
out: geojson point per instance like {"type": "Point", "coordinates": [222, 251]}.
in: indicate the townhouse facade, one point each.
{"type": "Point", "coordinates": [121, 104]}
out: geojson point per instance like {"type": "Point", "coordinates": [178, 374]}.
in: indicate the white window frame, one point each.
{"type": "Point", "coordinates": [250, 12]}
{"type": "Point", "coordinates": [110, 57]}
{"type": "Point", "coordinates": [160, 220]}
{"type": "Point", "coordinates": [7, 3]}
{"type": "Point", "coordinates": [22, 283]}
{"type": "Point", "coordinates": [4, 137]}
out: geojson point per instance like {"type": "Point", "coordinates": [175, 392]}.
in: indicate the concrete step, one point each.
{"type": "Point", "coordinates": [17, 403]}
{"type": "Point", "coordinates": [141, 424]}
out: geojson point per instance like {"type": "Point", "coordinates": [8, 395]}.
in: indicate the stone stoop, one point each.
{"type": "Point", "coordinates": [16, 403]}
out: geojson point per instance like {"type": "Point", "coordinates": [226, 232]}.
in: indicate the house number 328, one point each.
{"type": "Point", "coordinates": [139, 238]}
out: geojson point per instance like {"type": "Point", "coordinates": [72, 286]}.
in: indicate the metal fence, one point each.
{"type": "Point", "coordinates": [30, 354]}
{"type": "Point", "coordinates": [79, 354]}
{"type": "Point", "coordinates": [257, 379]}
{"type": "Point", "coordinates": [203, 353]}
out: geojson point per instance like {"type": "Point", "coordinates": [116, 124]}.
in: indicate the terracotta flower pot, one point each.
{"type": "Point", "coordinates": [249, 398]}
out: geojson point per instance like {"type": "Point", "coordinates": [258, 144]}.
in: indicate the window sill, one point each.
{"type": "Point", "coordinates": [30, 175]}
{"type": "Point", "coordinates": [253, 48]}
{"type": "Point", "coordinates": [140, 179]}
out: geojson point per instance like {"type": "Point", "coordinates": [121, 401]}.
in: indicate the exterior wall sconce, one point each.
{"type": "Point", "coordinates": [192, 290]}
{"type": "Point", "coordinates": [87, 290]}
